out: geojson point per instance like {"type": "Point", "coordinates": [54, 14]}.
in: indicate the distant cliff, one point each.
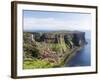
{"type": "Point", "coordinates": [53, 46]}
{"type": "Point", "coordinates": [77, 38]}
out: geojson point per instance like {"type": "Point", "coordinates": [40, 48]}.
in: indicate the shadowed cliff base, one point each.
{"type": "Point", "coordinates": [50, 49]}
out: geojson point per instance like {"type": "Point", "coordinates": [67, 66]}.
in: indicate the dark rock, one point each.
{"type": "Point", "coordinates": [76, 37]}
{"type": "Point", "coordinates": [79, 39]}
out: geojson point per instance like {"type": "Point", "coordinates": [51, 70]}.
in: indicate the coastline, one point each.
{"type": "Point", "coordinates": [69, 56]}
{"type": "Point", "coordinates": [73, 54]}
{"type": "Point", "coordinates": [54, 49]}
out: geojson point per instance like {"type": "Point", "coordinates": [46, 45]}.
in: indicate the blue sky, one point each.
{"type": "Point", "coordinates": [43, 20]}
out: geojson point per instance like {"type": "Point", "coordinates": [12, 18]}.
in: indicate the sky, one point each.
{"type": "Point", "coordinates": [48, 20]}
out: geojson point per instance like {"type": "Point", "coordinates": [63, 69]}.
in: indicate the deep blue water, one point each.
{"type": "Point", "coordinates": [82, 57]}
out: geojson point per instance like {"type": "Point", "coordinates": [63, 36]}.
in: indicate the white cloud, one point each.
{"type": "Point", "coordinates": [55, 24]}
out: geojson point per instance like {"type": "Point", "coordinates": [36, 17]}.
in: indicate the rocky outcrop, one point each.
{"type": "Point", "coordinates": [73, 38]}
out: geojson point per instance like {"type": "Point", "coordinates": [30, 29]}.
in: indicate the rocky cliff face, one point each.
{"type": "Point", "coordinates": [73, 38]}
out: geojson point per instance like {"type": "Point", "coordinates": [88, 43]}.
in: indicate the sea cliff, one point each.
{"type": "Point", "coordinates": [52, 48]}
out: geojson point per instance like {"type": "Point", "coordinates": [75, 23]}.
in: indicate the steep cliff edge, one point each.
{"type": "Point", "coordinates": [53, 47]}
{"type": "Point", "coordinates": [77, 38]}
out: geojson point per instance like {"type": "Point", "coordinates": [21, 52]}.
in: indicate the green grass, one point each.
{"type": "Point", "coordinates": [58, 46]}
{"type": "Point", "coordinates": [36, 63]}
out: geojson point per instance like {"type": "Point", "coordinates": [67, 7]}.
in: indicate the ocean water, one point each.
{"type": "Point", "coordinates": [82, 57]}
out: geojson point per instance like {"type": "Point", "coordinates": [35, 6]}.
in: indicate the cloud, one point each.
{"type": "Point", "coordinates": [31, 23]}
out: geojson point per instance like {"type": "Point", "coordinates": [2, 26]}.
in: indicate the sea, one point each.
{"type": "Point", "coordinates": [82, 57]}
